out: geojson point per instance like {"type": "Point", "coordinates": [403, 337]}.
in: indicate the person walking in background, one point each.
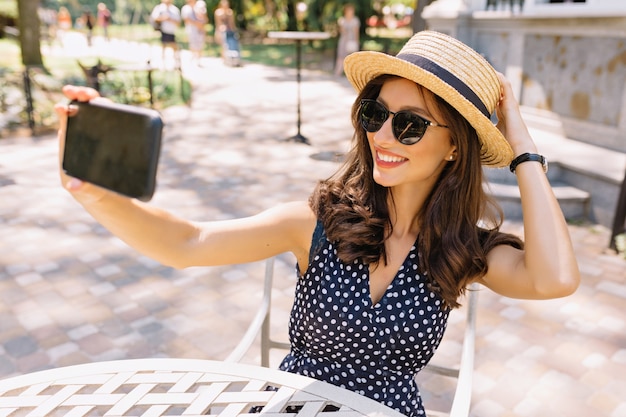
{"type": "Point", "coordinates": [104, 19]}
{"type": "Point", "coordinates": [48, 19]}
{"type": "Point", "coordinates": [167, 16]}
{"type": "Point", "coordinates": [64, 23]}
{"type": "Point", "coordinates": [385, 248]}
{"type": "Point", "coordinates": [194, 14]}
{"type": "Point", "coordinates": [88, 23]}
{"type": "Point", "coordinates": [349, 26]}
{"type": "Point", "coordinates": [225, 34]}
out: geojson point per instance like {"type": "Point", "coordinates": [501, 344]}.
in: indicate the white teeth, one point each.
{"type": "Point", "coordinates": [390, 158]}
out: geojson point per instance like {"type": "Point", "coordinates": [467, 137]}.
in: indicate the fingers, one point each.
{"type": "Point", "coordinates": [63, 111]}
{"type": "Point", "coordinates": [84, 192]}
{"type": "Point", "coordinates": [80, 93]}
{"type": "Point", "coordinates": [506, 90]}
{"type": "Point", "coordinates": [510, 120]}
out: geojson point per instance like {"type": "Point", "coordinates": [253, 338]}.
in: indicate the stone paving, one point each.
{"type": "Point", "coordinates": [71, 293]}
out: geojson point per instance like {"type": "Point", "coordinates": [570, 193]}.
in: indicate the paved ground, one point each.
{"type": "Point", "coordinates": [71, 293]}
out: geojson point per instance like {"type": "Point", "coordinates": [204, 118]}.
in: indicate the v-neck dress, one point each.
{"type": "Point", "coordinates": [337, 335]}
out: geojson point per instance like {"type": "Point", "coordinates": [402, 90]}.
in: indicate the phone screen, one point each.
{"type": "Point", "coordinates": [115, 146]}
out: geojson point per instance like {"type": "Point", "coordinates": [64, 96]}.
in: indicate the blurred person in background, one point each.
{"type": "Point", "coordinates": [224, 26]}
{"type": "Point", "coordinates": [349, 26]}
{"type": "Point", "coordinates": [167, 16]}
{"type": "Point", "coordinates": [64, 23]}
{"type": "Point", "coordinates": [88, 22]}
{"type": "Point", "coordinates": [104, 19]}
{"type": "Point", "coordinates": [194, 14]}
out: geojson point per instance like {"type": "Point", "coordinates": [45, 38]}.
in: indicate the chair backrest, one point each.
{"type": "Point", "coordinates": [463, 372]}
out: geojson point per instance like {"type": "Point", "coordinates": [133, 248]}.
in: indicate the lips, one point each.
{"type": "Point", "coordinates": [388, 160]}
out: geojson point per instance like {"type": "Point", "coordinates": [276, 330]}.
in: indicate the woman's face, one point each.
{"type": "Point", "coordinates": [420, 164]}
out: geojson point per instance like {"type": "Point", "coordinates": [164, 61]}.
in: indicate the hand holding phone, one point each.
{"type": "Point", "coordinates": [115, 146]}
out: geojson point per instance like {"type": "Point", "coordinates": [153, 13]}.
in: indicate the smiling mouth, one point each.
{"type": "Point", "coordinates": [389, 159]}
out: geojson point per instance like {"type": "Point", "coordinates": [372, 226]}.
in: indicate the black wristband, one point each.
{"type": "Point", "coordinates": [529, 157]}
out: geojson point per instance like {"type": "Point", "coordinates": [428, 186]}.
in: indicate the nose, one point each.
{"type": "Point", "coordinates": [384, 136]}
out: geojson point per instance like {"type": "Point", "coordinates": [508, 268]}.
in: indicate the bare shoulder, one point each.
{"type": "Point", "coordinates": [296, 209]}
{"type": "Point", "coordinates": [294, 221]}
{"type": "Point", "coordinates": [295, 217]}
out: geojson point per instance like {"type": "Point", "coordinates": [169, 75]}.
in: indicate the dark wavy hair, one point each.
{"type": "Point", "coordinates": [459, 222]}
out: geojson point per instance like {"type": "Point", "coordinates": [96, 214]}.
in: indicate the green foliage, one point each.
{"type": "Point", "coordinates": [170, 88]}
{"type": "Point", "coordinates": [8, 8]}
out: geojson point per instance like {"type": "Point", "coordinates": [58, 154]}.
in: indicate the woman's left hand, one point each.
{"type": "Point", "coordinates": [510, 121]}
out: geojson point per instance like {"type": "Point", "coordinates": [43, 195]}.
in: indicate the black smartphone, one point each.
{"type": "Point", "coordinates": [115, 146]}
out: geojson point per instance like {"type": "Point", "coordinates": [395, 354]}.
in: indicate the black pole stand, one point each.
{"type": "Point", "coordinates": [298, 137]}
{"type": "Point", "coordinates": [30, 109]}
{"type": "Point", "coordinates": [619, 222]}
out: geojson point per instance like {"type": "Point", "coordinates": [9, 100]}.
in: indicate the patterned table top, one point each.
{"type": "Point", "coordinates": [182, 387]}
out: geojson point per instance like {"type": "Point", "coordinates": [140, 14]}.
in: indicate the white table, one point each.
{"type": "Point", "coordinates": [298, 37]}
{"type": "Point", "coordinates": [183, 387]}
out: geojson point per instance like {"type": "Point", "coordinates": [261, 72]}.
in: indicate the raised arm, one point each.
{"type": "Point", "coordinates": [547, 266]}
{"type": "Point", "coordinates": [178, 242]}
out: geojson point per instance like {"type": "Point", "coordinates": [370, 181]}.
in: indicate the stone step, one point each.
{"type": "Point", "coordinates": [574, 203]}
{"type": "Point", "coordinates": [586, 178]}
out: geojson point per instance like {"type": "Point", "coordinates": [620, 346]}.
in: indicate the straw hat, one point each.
{"type": "Point", "coordinates": [451, 70]}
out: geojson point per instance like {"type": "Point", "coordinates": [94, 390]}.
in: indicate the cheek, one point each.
{"type": "Point", "coordinates": [431, 150]}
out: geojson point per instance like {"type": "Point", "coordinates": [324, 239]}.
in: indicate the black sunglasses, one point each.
{"type": "Point", "coordinates": [408, 128]}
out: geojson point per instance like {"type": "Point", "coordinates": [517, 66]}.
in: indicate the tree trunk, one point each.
{"type": "Point", "coordinates": [418, 24]}
{"type": "Point", "coordinates": [29, 27]}
{"type": "Point", "coordinates": [292, 20]}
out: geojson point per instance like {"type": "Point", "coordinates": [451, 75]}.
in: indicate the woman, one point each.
{"type": "Point", "coordinates": [385, 247]}
{"type": "Point", "coordinates": [349, 26]}
{"type": "Point", "coordinates": [194, 15]}
{"type": "Point", "coordinates": [64, 21]}
{"type": "Point", "coordinates": [225, 30]}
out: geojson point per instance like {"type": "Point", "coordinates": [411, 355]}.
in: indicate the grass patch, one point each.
{"type": "Point", "coordinates": [169, 87]}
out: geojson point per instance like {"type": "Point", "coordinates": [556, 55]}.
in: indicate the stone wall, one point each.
{"type": "Point", "coordinates": [569, 72]}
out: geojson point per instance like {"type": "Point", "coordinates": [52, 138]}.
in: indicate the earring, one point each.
{"type": "Point", "coordinates": [451, 157]}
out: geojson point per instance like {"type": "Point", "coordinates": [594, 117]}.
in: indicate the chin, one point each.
{"type": "Point", "coordinates": [382, 181]}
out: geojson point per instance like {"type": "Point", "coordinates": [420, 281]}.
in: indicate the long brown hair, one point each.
{"type": "Point", "coordinates": [459, 222]}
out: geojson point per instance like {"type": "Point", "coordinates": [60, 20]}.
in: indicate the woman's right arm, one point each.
{"type": "Point", "coordinates": [177, 242]}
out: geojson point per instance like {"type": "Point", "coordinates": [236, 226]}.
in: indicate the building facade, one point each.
{"type": "Point", "coordinates": [566, 59]}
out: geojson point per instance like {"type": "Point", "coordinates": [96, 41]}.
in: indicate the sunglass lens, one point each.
{"type": "Point", "coordinates": [408, 127]}
{"type": "Point", "coordinates": [373, 115]}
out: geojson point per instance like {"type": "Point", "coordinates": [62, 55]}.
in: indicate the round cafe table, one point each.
{"type": "Point", "coordinates": [181, 387]}
{"type": "Point", "coordinates": [298, 37]}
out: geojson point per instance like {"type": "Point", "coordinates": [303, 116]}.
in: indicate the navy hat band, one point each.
{"type": "Point", "coordinates": [448, 78]}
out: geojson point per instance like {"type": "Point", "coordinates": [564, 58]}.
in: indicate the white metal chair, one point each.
{"type": "Point", "coordinates": [463, 373]}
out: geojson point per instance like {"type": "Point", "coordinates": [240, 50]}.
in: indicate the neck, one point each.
{"type": "Point", "coordinates": [405, 204]}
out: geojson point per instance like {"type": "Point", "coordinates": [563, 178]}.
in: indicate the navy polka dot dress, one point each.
{"type": "Point", "coordinates": [337, 335]}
